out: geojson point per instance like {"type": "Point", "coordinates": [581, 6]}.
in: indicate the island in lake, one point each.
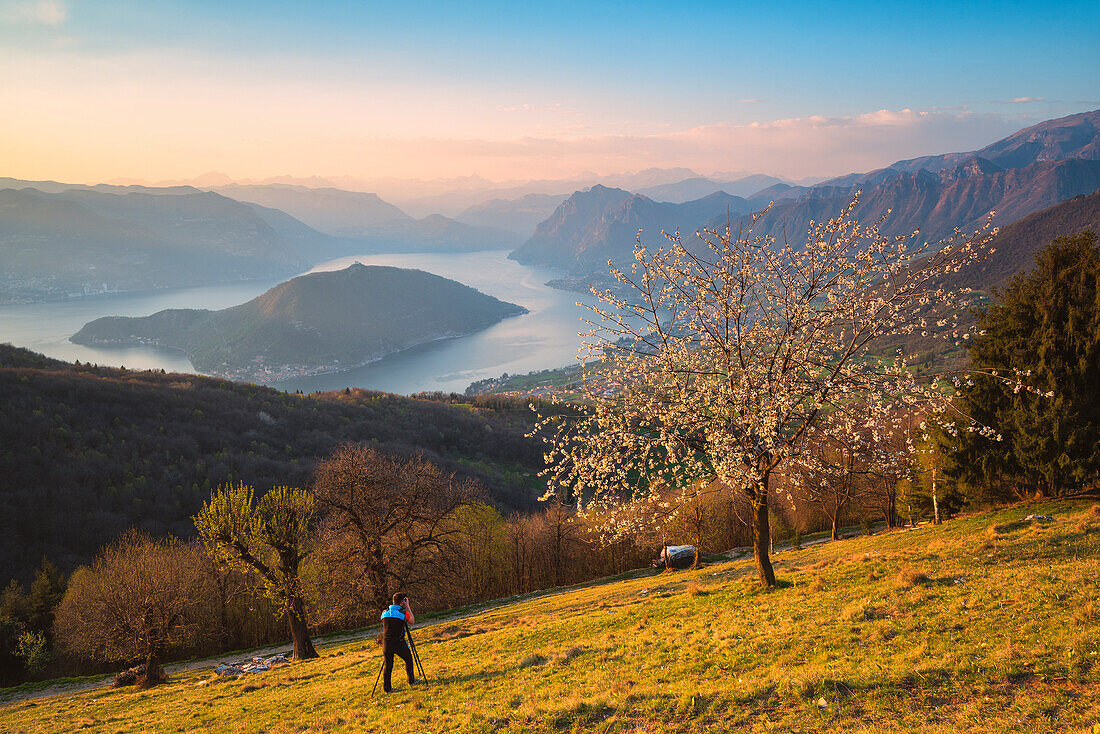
{"type": "Point", "coordinates": [312, 324]}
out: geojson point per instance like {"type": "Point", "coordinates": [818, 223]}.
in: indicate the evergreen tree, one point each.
{"type": "Point", "coordinates": [1047, 327]}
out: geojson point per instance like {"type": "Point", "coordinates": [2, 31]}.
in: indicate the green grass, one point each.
{"type": "Point", "coordinates": [985, 623]}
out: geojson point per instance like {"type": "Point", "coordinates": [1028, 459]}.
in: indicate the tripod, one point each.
{"type": "Point", "coordinates": [417, 666]}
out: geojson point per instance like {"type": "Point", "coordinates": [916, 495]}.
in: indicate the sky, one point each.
{"type": "Point", "coordinates": [97, 90]}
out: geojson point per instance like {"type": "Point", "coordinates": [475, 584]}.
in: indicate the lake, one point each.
{"type": "Point", "coordinates": [544, 338]}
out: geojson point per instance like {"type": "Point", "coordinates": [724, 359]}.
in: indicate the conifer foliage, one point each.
{"type": "Point", "coordinates": [1046, 326]}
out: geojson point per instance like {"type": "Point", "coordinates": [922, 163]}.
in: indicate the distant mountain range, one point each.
{"type": "Point", "coordinates": [1022, 174]}
{"type": "Point", "coordinates": [433, 233]}
{"type": "Point", "coordinates": [699, 187]}
{"type": "Point", "coordinates": [327, 210]}
{"type": "Point", "coordinates": [321, 322]}
{"type": "Point", "coordinates": [363, 223]}
{"type": "Point", "coordinates": [601, 224]}
{"type": "Point", "coordinates": [81, 241]}
{"type": "Point", "coordinates": [520, 215]}
{"type": "Point", "coordinates": [59, 241]}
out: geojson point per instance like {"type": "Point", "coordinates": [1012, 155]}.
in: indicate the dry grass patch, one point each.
{"type": "Point", "coordinates": [1085, 612]}
{"type": "Point", "coordinates": [861, 609]}
{"type": "Point", "coordinates": [1088, 518]}
{"type": "Point", "coordinates": [532, 660]}
{"type": "Point", "coordinates": [567, 656]}
{"type": "Point", "coordinates": [909, 577]}
{"type": "Point", "coordinates": [694, 589]}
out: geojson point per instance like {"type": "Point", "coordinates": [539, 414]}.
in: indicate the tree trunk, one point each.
{"type": "Point", "coordinates": [152, 669]}
{"type": "Point", "coordinates": [299, 632]}
{"type": "Point", "coordinates": [935, 500]}
{"type": "Point", "coordinates": [761, 535]}
{"type": "Point", "coordinates": [891, 508]}
{"type": "Point", "coordinates": [379, 581]}
{"type": "Point", "coordinates": [834, 534]}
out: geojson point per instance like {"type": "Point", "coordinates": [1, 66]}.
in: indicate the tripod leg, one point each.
{"type": "Point", "coordinates": [377, 677]}
{"type": "Point", "coordinates": [416, 656]}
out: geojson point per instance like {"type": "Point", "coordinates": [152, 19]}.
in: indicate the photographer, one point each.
{"type": "Point", "coordinates": [395, 623]}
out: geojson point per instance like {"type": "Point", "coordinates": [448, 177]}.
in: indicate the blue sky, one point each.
{"type": "Point", "coordinates": [503, 88]}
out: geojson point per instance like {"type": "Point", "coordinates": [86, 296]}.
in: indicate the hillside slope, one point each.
{"type": "Point", "coordinates": [1016, 245]}
{"type": "Point", "coordinates": [87, 452]}
{"type": "Point", "coordinates": [320, 322]}
{"type": "Point", "coordinates": [985, 623]}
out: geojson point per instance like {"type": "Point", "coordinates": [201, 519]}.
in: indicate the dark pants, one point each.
{"type": "Point", "coordinates": [389, 649]}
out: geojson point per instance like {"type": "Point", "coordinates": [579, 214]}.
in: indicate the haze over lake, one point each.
{"type": "Point", "coordinates": [544, 338]}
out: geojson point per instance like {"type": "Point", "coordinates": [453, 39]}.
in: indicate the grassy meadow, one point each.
{"type": "Point", "coordinates": [985, 623]}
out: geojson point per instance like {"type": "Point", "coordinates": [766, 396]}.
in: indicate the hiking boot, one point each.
{"type": "Point", "coordinates": [415, 681]}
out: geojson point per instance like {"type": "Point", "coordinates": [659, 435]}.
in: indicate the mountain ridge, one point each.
{"type": "Point", "coordinates": [1023, 173]}
{"type": "Point", "coordinates": [602, 223]}
{"type": "Point", "coordinates": [81, 241]}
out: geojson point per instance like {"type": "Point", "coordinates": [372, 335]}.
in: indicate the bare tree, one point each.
{"type": "Point", "coordinates": [139, 599]}
{"type": "Point", "coordinates": [396, 516]}
{"type": "Point", "coordinates": [834, 467]}
{"type": "Point", "coordinates": [269, 538]}
{"type": "Point", "coordinates": [891, 464]}
{"type": "Point", "coordinates": [716, 361]}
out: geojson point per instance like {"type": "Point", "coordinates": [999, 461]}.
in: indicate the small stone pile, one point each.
{"type": "Point", "coordinates": [130, 676]}
{"type": "Point", "coordinates": [255, 665]}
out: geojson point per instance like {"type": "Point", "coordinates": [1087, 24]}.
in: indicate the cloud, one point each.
{"type": "Point", "coordinates": [796, 147]}
{"type": "Point", "coordinates": [1018, 100]}
{"type": "Point", "coordinates": [557, 108]}
{"type": "Point", "coordinates": [35, 12]}
{"type": "Point", "coordinates": [749, 100]}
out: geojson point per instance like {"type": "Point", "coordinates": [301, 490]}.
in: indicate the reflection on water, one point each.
{"type": "Point", "coordinates": [544, 338]}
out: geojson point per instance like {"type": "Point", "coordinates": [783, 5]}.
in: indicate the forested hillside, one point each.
{"type": "Point", "coordinates": [319, 322]}
{"type": "Point", "coordinates": [87, 452]}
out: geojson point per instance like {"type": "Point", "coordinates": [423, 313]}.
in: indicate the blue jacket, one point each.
{"type": "Point", "coordinates": [393, 625]}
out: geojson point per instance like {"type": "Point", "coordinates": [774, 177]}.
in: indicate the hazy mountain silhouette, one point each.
{"type": "Point", "coordinates": [433, 233]}
{"type": "Point", "coordinates": [327, 210]}
{"type": "Point", "coordinates": [82, 241]}
{"type": "Point", "coordinates": [691, 189]}
{"type": "Point", "coordinates": [520, 215]}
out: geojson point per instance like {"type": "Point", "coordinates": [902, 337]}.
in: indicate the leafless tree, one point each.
{"type": "Point", "coordinates": [139, 599]}
{"type": "Point", "coordinates": [396, 517]}
{"type": "Point", "coordinates": [835, 467]}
